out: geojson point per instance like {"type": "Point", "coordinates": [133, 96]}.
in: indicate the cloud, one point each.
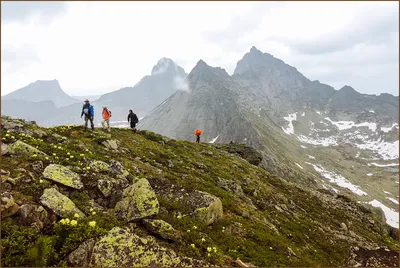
{"type": "Point", "coordinates": [20, 11]}
{"type": "Point", "coordinates": [181, 84]}
{"type": "Point", "coordinates": [97, 46]}
{"type": "Point", "coordinates": [15, 58]}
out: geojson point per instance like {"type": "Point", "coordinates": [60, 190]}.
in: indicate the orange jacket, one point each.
{"type": "Point", "coordinates": [106, 114]}
{"type": "Point", "coordinates": [198, 132]}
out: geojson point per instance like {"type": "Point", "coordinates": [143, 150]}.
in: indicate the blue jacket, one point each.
{"type": "Point", "coordinates": [90, 108]}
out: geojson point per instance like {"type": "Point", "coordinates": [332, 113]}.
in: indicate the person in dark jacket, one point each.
{"type": "Point", "coordinates": [88, 111]}
{"type": "Point", "coordinates": [132, 117]}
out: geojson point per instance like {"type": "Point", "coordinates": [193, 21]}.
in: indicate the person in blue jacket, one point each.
{"type": "Point", "coordinates": [88, 111]}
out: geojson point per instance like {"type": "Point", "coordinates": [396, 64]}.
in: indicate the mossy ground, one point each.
{"type": "Point", "coordinates": [192, 166]}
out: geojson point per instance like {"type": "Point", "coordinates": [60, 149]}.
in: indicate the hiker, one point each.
{"type": "Point", "coordinates": [132, 117]}
{"type": "Point", "coordinates": [88, 111]}
{"type": "Point", "coordinates": [106, 118]}
{"type": "Point", "coordinates": [198, 133]}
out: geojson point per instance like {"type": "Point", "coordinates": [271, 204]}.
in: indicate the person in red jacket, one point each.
{"type": "Point", "coordinates": [198, 133]}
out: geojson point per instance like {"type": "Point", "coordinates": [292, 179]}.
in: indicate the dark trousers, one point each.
{"type": "Point", "coordinates": [198, 138]}
{"type": "Point", "coordinates": [91, 122]}
{"type": "Point", "coordinates": [133, 126]}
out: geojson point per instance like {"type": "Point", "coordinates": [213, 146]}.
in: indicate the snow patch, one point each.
{"type": "Point", "coordinates": [387, 165]}
{"type": "Point", "coordinates": [338, 179]}
{"type": "Point", "coordinates": [392, 217]}
{"type": "Point", "coordinates": [310, 156]}
{"type": "Point", "coordinates": [387, 150]}
{"type": "Point", "coordinates": [358, 154]}
{"type": "Point", "coordinates": [393, 200]}
{"type": "Point", "coordinates": [299, 166]}
{"type": "Point", "coordinates": [342, 125]}
{"type": "Point", "coordinates": [214, 139]}
{"type": "Point", "coordinates": [320, 141]}
{"type": "Point", "coordinates": [387, 129]}
{"type": "Point", "coordinates": [303, 114]}
{"type": "Point", "coordinates": [318, 112]}
{"type": "Point", "coordinates": [302, 146]}
{"type": "Point", "coordinates": [372, 111]}
{"type": "Point", "coordinates": [290, 118]}
{"type": "Point", "coordinates": [386, 192]}
{"type": "Point", "coordinates": [370, 174]}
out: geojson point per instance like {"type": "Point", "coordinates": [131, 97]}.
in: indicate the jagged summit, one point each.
{"type": "Point", "coordinates": [166, 65]}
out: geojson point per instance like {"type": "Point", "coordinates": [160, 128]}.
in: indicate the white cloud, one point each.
{"type": "Point", "coordinates": [94, 46]}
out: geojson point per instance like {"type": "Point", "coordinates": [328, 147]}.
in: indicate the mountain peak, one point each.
{"type": "Point", "coordinates": [202, 69]}
{"type": "Point", "coordinates": [166, 65]}
{"type": "Point", "coordinates": [347, 89]}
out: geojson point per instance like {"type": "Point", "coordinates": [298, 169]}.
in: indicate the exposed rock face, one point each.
{"type": "Point", "coordinates": [110, 186]}
{"type": "Point", "coordinates": [139, 201]}
{"type": "Point", "coordinates": [161, 228]}
{"type": "Point", "coordinates": [63, 175]}
{"type": "Point", "coordinates": [121, 248]}
{"type": "Point", "coordinates": [59, 204]}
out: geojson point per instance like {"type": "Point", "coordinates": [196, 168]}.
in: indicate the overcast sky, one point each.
{"type": "Point", "coordinates": [96, 47]}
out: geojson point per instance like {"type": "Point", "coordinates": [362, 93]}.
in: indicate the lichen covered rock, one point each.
{"type": "Point", "coordinates": [110, 144]}
{"type": "Point", "coordinates": [111, 186]}
{"type": "Point", "coordinates": [99, 166]}
{"type": "Point", "coordinates": [81, 256]}
{"type": "Point", "coordinates": [58, 203]}
{"type": "Point", "coordinates": [139, 201]}
{"type": "Point", "coordinates": [161, 228]}
{"type": "Point", "coordinates": [63, 175]}
{"type": "Point", "coordinates": [8, 205]}
{"type": "Point", "coordinates": [203, 206]}
{"type": "Point", "coordinates": [211, 210]}
{"type": "Point", "coordinates": [121, 248]}
{"type": "Point", "coordinates": [20, 148]}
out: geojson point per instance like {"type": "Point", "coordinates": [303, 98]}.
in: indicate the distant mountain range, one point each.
{"type": "Point", "coordinates": [340, 140]}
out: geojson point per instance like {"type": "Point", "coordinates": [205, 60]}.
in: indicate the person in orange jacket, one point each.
{"type": "Point", "coordinates": [106, 118]}
{"type": "Point", "coordinates": [198, 133]}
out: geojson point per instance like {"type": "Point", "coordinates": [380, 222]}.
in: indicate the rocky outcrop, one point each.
{"type": "Point", "coordinates": [20, 148]}
{"type": "Point", "coordinates": [122, 248]}
{"type": "Point", "coordinates": [8, 205]}
{"type": "Point", "coordinates": [81, 256]}
{"type": "Point", "coordinates": [161, 228]}
{"type": "Point", "coordinates": [99, 166]}
{"type": "Point", "coordinates": [33, 215]}
{"type": "Point", "coordinates": [110, 186]}
{"type": "Point", "coordinates": [63, 175]}
{"type": "Point", "coordinates": [203, 206]}
{"type": "Point", "coordinates": [110, 144]}
{"type": "Point", "coordinates": [59, 203]}
{"type": "Point", "coordinates": [139, 201]}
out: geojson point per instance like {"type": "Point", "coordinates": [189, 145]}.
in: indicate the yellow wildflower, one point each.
{"type": "Point", "coordinates": [215, 249]}
{"type": "Point", "coordinates": [91, 209]}
{"type": "Point", "coordinates": [94, 213]}
{"type": "Point", "coordinates": [71, 156]}
{"type": "Point", "coordinates": [40, 181]}
{"type": "Point", "coordinates": [74, 223]}
{"type": "Point", "coordinates": [67, 221]}
{"type": "Point", "coordinates": [209, 249]}
{"type": "Point", "coordinates": [76, 215]}
{"type": "Point", "coordinates": [92, 224]}
{"type": "Point", "coordinates": [193, 245]}
{"type": "Point", "coordinates": [195, 227]}
{"type": "Point", "coordinates": [203, 239]}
